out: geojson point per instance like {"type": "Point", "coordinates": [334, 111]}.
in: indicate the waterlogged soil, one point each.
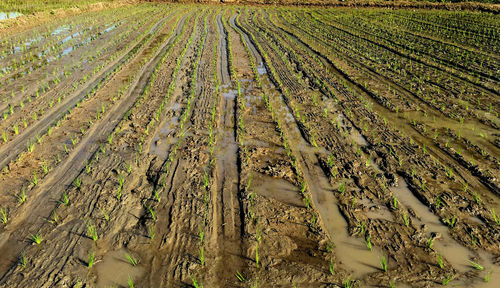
{"type": "Point", "coordinates": [227, 146]}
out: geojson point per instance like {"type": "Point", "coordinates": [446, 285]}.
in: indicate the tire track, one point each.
{"type": "Point", "coordinates": [319, 186]}
{"type": "Point", "coordinates": [13, 148]}
{"type": "Point", "coordinates": [62, 177]}
{"type": "Point", "coordinates": [222, 52]}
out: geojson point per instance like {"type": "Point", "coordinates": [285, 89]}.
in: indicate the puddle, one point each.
{"type": "Point", "coordinates": [478, 280]}
{"type": "Point", "coordinates": [162, 140]}
{"type": "Point", "coordinates": [489, 267]}
{"type": "Point", "coordinates": [9, 15]}
{"type": "Point", "coordinates": [285, 114]}
{"type": "Point", "coordinates": [227, 147]}
{"type": "Point", "coordinates": [222, 50]}
{"type": "Point", "coordinates": [69, 38]}
{"type": "Point", "coordinates": [261, 69]}
{"type": "Point", "coordinates": [112, 27]}
{"type": "Point", "coordinates": [353, 132]}
{"type": "Point", "coordinates": [228, 93]}
{"type": "Point", "coordinates": [455, 253]}
{"type": "Point", "coordinates": [114, 269]}
{"type": "Point", "coordinates": [375, 211]}
{"type": "Point", "coordinates": [350, 251]}
{"type": "Point", "coordinates": [60, 30]}
{"type": "Point", "coordinates": [278, 189]}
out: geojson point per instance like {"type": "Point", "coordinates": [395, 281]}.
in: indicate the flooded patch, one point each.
{"type": "Point", "coordinates": [455, 253]}
{"type": "Point", "coordinates": [351, 252]}
{"type": "Point", "coordinates": [261, 69]}
{"type": "Point", "coordinates": [490, 272]}
{"type": "Point", "coordinates": [163, 138]}
{"type": "Point", "coordinates": [115, 270]}
{"type": "Point", "coordinates": [278, 189]}
{"type": "Point", "coordinates": [9, 15]}
{"type": "Point", "coordinates": [228, 93]}
{"type": "Point", "coordinates": [353, 132]}
{"type": "Point", "coordinates": [376, 211]}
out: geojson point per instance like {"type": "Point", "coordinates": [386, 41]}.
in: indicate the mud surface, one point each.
{"type": "Point", "coordinates": [239, 146]}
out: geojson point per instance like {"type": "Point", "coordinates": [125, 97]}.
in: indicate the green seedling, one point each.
{"type": "Point", "coordinates": [90, 263]}
{"type": "Point", "coordinates": [202, 256]}
{"type": "Point", "coordinates": [447, 280]}
{"type": "Point", "coordinates": [440, 261]}
{"type": "Point", "coordinates": [105, 214]}
{"type": "Point", "coordinates": [22, 259]}
{"type": "Point", "coordinates": [34, 180]}
{"type": "Point", "coordinates": [121, 180]}
{"type": "Point", "coordinates": [45, 168]}
{"type": "Point", "coordinates": [476, 265]}
{"type": "Point", "coordinates": [152, 213]}
{"type": "Point", "coordinates": [77, 183]}
{"type": "Point", "coordinates": [257, 254]}
{"type": "Point", "coordinates": [406, 219]}
{"type": "Point", "coordinates": [348, 283]}
{"type": "Point", "coordinates": [368, 243]}
{"type": "Point", "coordinates": [496, 218]}
{"type": "Point", "coordinates": [54, 219]}
{"type": "Point", "coordinates": [157, 195]}
{"type": "Point", "coordinates": [151, 232]}
{"type": "Point", "coordinates": [65, 198]}
{"type": "Point", "coordinates": [430, 242]}
{"type": "Point", "coordinates": [21, 197]}
{"type": "Point", "coordinates": [132, 260]}
{"type": "Point", "coordinates": [239, 276]}
{"type": "Point", "coordinates": [92, 231]}
{"type": "Point", "coordinates": [342, 187]}
{"type": "Point", "coordinates": [3, 216]}
{"type": "Point", "coordinates": [329, 247]}
{"type": "Point", "coordinates": [383, 262]}
{"type": "Point", "coordinates": [195, 283]}
{"type": "Point", "coordinates": [487, 278]}
{"type": "Point", "coordinates": [130, 282]}
{"type": "Point", "coordinates": [37, 238]}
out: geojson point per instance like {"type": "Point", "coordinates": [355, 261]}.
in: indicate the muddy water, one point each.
{"type": "Point", "coordinates": [445, 245]}
{"type": "Point", "coordinates": [222, 51]}
{"type": "Point", "coordinates": [475, 131]}
{"type": "Point", "coordinates": [226, 155]}
{"type": "Point", "coordinates": [458, 255]}
{"type": "Point", "coordinates": [455, 253]}
{"type": "Point", "coordinates": [351, 252]}
{"type": "Point", "coordinates": [354, 133]}
{"type": "Point", "coordinates": [489, 269]}
{"type": "Point", "coordinates": [278, 189]}
{"type": "Point", "coordinates": [163, 138]}
{"type": "Point", "coordinates": [115, 270]}
{"type": "Point", "coordinates": [9, 15]}
{"type": "Point", "coordinates": [345, 124]}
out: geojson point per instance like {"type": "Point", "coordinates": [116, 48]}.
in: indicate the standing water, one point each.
{"type": "Point", "coordinates": [9, 15]}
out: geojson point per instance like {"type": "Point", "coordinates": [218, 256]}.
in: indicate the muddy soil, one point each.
{"type": "Point", "coordinates": [241, 146]}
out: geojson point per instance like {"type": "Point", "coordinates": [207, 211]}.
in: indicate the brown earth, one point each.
{"type": "Point", "coordinates": [242, 146]}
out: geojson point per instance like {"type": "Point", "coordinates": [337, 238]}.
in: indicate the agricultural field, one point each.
{"type": "Point", "coordinates": [181, 145]}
